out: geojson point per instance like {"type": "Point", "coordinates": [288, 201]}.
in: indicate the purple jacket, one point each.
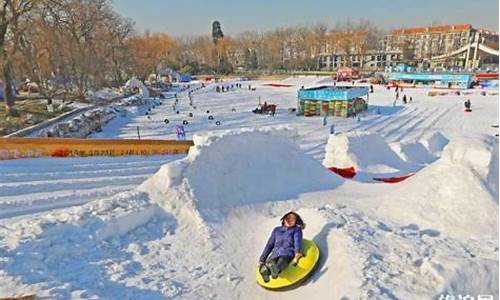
{"type": "Point", "coordinates": [284, 241]}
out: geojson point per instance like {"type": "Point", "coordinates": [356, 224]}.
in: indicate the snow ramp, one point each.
{"type": "Point", "coordinates": [363, 151]}
{"type": "Point", "coordinates": [457, 194]}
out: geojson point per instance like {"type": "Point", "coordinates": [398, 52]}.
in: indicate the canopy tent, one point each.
{"type": "Point", "coordinates": [347, 73]}
{"type": "Point", "coordinates": [341, 101]}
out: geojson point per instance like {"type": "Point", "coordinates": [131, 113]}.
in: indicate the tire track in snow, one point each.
{"type": "Point", "coordinates": [396, 125]}
{"type": "Point", "coordinates": [435, 121]}
{"type": "Point", "coordinates": [63, 175]}
{"type": "Point", "coordinates": [15, 205]}
{"type": "Point", "coordinates": [409, 127]}
{"type": "Point", "coordinates": [33, 185]}
{"type": "Point", "coordinates": [369, 124]}
{"type": "Point", "coordinates": [29, 187]}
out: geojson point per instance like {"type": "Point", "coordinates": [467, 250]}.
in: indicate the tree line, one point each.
{"type": "Point", "coordinates": [71, 47]}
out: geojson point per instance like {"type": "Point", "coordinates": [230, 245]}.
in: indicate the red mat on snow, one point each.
{"type": "Point", "coordinates": [344, 172]}
{"type": "Point", "coordinates": [394, 179]}
{"type": "Point", "coordinates": [278, 84]}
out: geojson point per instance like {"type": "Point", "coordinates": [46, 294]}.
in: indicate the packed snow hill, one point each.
{"type": "Point", "coordinates": [193, 226]}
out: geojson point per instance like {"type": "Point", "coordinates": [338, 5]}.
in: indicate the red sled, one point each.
{"type": "Point", "coordinates": [278, 84]}
{"type": "Point", "coordinates": [349, 172]}
{"type": "Point", "coordinates": [395, 179]}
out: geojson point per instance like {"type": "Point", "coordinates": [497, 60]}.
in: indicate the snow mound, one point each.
{"type": "Point", "coordinates": [414, 152]}
{"type": "Point", "coordinates": [106, 94]}
{"type": "Point", "coordinates": [242, 167]}
{"type": "Point", "coordinates": [435, 142]}
{"type": "Point", "coordinates": [135, 83]}
{"type": "Point", "coordinates": [453, 194]}
{"type": "Point", "coordinates": [365, 151]}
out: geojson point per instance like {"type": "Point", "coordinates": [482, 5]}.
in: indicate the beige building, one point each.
{"type": "Point", "coordinates": [458, 45]}
{"type": "Point", "coordinates": [371, 61]}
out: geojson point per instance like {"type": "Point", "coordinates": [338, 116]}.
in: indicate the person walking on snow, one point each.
{"type": "Point", "coordinates": [284, 244]}
{"type": "Point", "coordinates": [404, 99]}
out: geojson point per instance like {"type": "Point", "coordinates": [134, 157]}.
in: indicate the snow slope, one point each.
{"type": "Point", "coordinates": [35, 185]}
{"type": "Point", "coordinates": [192, 227]}
{"type": "Point", "coordinates": [451, 195]}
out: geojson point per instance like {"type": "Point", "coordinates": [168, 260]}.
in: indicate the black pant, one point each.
{"type": "Point", "coordinates": [280, 263]}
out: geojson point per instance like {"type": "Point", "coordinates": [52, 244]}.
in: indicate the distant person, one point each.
{"type": "Point", "coordinates": [411, 99]}
{"type": "Point", "coordinates": [397, 95]}
{"type": "Point", "coordinates": [371, 88]}
{"type": "Point", "coordinates": [404, 99]}
{"type": "Point", "coordinates": [332, 129]}
{"type": "Point", "coordinates": [283, 246]}
{"type": "Point", "coordinates": [259, 109]}
{"type": "Point", "coordinates": [467, 104]}
{"type": "Point", "coordinates": [397, 88]}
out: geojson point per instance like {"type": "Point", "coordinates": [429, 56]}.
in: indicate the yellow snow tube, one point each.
{"type": "Point", "coordinates": [294, 274]}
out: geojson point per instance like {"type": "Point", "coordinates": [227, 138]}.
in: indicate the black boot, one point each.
{"type": "Point", "coordinates": [264, 272]}
{"type": "Point", "coordinates": [274, 271]}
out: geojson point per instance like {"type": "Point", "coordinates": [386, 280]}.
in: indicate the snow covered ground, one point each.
{"type": "Point", "coordinates": [192, 227]}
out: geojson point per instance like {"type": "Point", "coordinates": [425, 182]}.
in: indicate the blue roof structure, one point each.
{"type": "Point", "coordinates": [331, 93]}
{"type": "Point", "coordinates": [461, 80]}
{"type": "Point", "coordinates": [430, 76]}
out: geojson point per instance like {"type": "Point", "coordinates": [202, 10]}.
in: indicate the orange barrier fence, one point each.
{"type": "Point", "coordinates": [17, 147]}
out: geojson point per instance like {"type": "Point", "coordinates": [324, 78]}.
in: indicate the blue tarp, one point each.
{"type": "Point", "coordinates": [1, 91]}
{"type": "Point", "coordinates": [329, 93]}
{"type": "Point", "coordinates": [184, 77]}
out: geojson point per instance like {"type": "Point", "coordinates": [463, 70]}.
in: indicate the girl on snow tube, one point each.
{"type": "Point", "coordinates": [284, 244]}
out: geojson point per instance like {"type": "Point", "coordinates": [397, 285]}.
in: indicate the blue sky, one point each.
{"type": "Point", "coordinates": [193, 17]}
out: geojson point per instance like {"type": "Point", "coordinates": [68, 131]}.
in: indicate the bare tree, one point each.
{"type": "Point", "coordinates": [12, 13]}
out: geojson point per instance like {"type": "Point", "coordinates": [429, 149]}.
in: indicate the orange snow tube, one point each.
{"type": "Point", "coordinates": [394, 179]}
{"type": "Point", "coordinates": [349, 172]}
